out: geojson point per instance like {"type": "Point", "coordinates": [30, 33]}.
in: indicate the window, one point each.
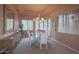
{"type": "Point", "coordinates": [24, 23]}
{"type": "Point", "coordinates": [27, 24]}
{"type": "Point", "coordinates": [37, 24]}
{"type": "Point", "coordinates": [61, 23]}
{"type": "Point", "coordinates": [30, 24]}
{"type": "Point", "coordinates": [9, 24]}
{"type": "Point", "coordinates": [68, 23]}
{"type": "Point", "coordinates": [49, 25]}
{"type": "Point", "coordinates": [43, 25]}
{"type": "Point", "coordinates": [71, 27]}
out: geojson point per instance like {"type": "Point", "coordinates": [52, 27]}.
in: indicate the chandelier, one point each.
{"type": "Point", "coordinates": [38, 18]}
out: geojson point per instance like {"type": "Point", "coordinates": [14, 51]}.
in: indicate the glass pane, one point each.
{"type": "Point", "coordinates": [30, 25]}
{"type": "Point", "coordinates": [60, 24]}
{"type": "Point", "coordinates": [49, 24]}
{"type": "Point", "coordinates": [37, 23]}
{"type": "Point", "coordinates": [69, 24]}
{"type": "Point", "coordinates": [41, 25]}
{"type": "Point", "coordinates": [24, 23]}
{"type": "Point", "coordinates": [45, 25]}
{"type": "Point", "coordinates": [9, 24]}
{"type": "Point", "coordinates": [27, 24]}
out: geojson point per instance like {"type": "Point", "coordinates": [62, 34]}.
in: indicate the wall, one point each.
{"type": "Point", "coordinates": [68, 39]}
{"type": "Point", "coordinates": [16, 21]}
{"type": "Point", "coordinates": [62, 9]}
{"type": "Point", "coordinates": [72, 40]}
{"type": "Point", "coordinates": [10, 11]}
{"type": "Point", "coordinates": [1, 19]}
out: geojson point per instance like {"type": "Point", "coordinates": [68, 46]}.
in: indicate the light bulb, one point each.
{"type": "Point", "coordinates": [42, 19]}
{"type": "Point", "coordinates": [33, 19]}
{"type": "Point", "coordinates": [37, 18]}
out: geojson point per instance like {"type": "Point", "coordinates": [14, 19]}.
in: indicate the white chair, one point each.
{"type": "Point", "coordinates": [48, 33]}
{"type": "Point", "coordinates": [43, 40]}
{"type": "Point", "coordinates": [29, 36]}
{"type": "Point", "coordinates": [37, 35]}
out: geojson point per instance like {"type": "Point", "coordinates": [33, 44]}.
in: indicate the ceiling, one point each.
{"type": "Point", "coordinates": [45, 10]}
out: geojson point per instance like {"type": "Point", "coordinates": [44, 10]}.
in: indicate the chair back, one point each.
{"type": "Point", "coordinates": [28, 33]}
{"type": "Point", "coordinates": [44, 37]}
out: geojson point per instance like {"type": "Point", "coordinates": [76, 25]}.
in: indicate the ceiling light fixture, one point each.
{"type": "Point", "coordinates": [38, 18]}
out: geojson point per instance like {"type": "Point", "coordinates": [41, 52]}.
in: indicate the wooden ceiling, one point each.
{"type": "Point", "coordinates": [45, 10]}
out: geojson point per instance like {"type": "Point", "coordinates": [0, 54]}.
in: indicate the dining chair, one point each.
{"type": "Point", "coordinates": [43, 40]}
{"type": "Point", "coordinates": [29, 36]}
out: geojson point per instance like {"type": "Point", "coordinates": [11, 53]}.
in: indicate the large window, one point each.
{"type": "Point", "coordinates": [37, 24]}
{"type": "Point", "coordinates": [69, 23]}
{"type": "Point", "coordinates": [27, 24]}
{"type": "Point", "coordinates": [49, 24]}
{"type": "Point", "coordinates": [61, 23]}
{"type": "Point", "coordinates": [24, 23]}
{"type": "Point", "coordinates": [9, 24]}
{"type": "Point", "coordinates": [43, 25]}
{"type": "Point", "coordinates": [30, 24]}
